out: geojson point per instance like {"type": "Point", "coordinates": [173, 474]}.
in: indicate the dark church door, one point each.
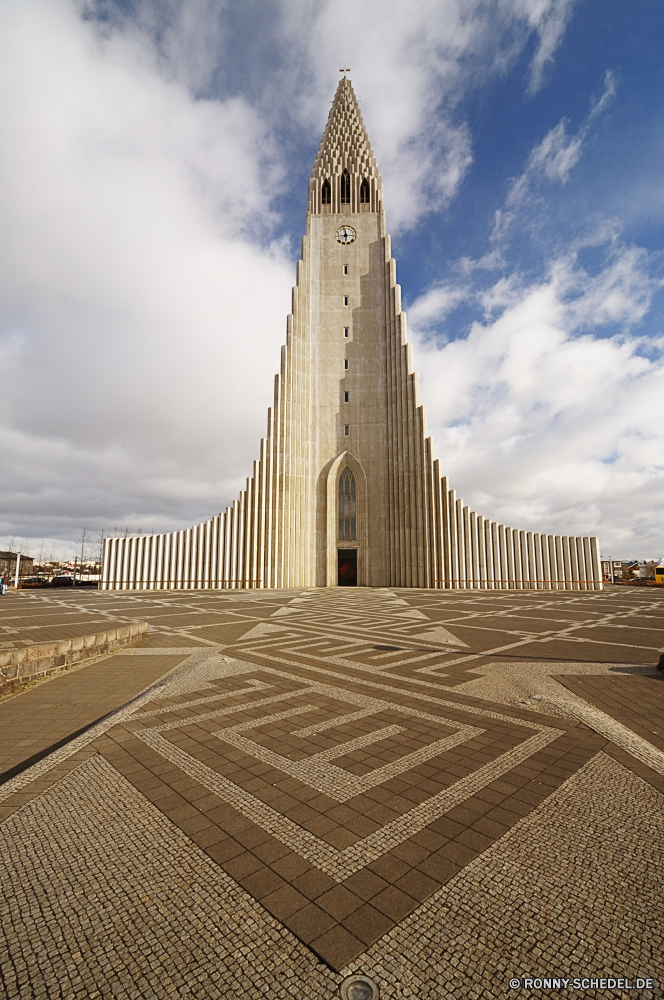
{"type": "Point", "coordinates": [347, 567]}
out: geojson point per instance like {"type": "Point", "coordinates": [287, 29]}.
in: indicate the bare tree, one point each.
{"type": "Point", "coordinates": [83, 542]}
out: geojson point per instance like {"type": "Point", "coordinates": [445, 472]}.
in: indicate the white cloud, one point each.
{"type": "Point", "coordinates": [410, 65]}
{"type": "Point", "coordinates": [143, 296]}
{"type": "Point", "coordinates": [553, 159]}
{"type": "Point", "coordinates": [550, 21]}
{"type": "Point", "coordinates": [545, 421]}
{"type": "Point", "coordinates": [138, 358]}
{"type": "Point", "coordinates": [435, 305]}
{"type": "Point", "coordinates": [555, 156]}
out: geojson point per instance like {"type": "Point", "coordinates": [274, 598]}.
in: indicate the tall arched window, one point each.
{"type": "Point", "coordinates": [365, 196]}
{"type": "Point", "coordinates": [347, 530]}
{"type": "Point", "coordinates": [345, 188]}
{"type": "Point", "coordinates": [326, 193]}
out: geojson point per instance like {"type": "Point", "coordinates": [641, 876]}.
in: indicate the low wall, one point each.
{"type": "Point", "coordinates": [18, 666]}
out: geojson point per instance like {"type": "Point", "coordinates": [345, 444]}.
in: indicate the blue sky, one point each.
{"type": "Point", "coordinates": [153, 198]}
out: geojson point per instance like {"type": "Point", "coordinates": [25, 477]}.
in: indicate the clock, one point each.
{"type": "Point", "coordinates": [345, 235]}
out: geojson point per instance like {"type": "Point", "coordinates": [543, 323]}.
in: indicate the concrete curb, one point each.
{"type": "Point", "coordinates": [18, 666]}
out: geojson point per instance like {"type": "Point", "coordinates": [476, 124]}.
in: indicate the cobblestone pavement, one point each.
{"type": "Point", "coordinates": [427, 788]}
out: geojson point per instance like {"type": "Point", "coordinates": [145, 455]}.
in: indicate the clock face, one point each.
{"type": "Point", "coordinates": [345, 235]}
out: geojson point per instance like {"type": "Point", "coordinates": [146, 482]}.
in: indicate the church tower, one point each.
{"type": "Point", "coordinates": [346, 490]}
{"type": "Point", "coordinates": [346, 396]}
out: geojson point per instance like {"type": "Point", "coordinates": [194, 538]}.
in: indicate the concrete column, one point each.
{"type": "Point", "coordinates": [194, 556]}
{"type": "Point", "coordinates": [226, 549]}
{"type": "Point", "coordinates": [522, 544]}
{"type": "Point", "coordinates": [596, 563]}
{"type": "Point", "coordinates": [437, 515]}
{"type": "Point", "coordinates": [447, 533]}
{"type": "Point", "coordinates": [559, 563]}
{"type": "Point", "coordinates": [214, 552]}
{"type": "Point", "coordinates": [461, 548]}
{"type": "Point", "coordinates": [186, 539]}
{"type": "Point", "coordinates": [539, 569]}
{"type": "Point", "coordinates": [468, 527]}
{"type": "Point", "coordinates": [106, 563]}
{"type": "Point", "coordinates": [138, 563]}
{"type": "Point", "coordinates": [180, 565]}
{"type": "Point", "coordinates": [176, 559]}
{"type": "Point", "coordinates": [454, 542]}
{"type": "Point", "coordinates": [131, 562]}
{"type": "Point", "coordinates": [165, 562]}
{"type": "Point", "coordinates": [567, 566]}
{"type": "Point", "coordinates": [546, 564]}
{"type": "Point", "coordinates": [584, 573]}
{"type": "Point", "coordinates": [551, 560]}
{"type": "Point", "coordinates": [495, 552]}
{"type": "Point", "coordinates": [513, 561]}
{"type": "Point", "coordinates": [488, 550]}
{"type": "Point", "coordinates": [481, 553]}
{"type": "Point", "coordinates": [504, 570]}
{"type": "Point", "coordinates": [124, 557]}
{"type": "Point", "coordinates": [241, 539]}
{"type": "Point", "coordinates": [574, 565]}
{"type": "Point", "coordinates": [198, 554]}
{"type": "Point", "coordinates": [534, 574]}
{"type": "Point", "coordinates": [155, 561]}
{"type": "Point", "coordinates": [525, 568]}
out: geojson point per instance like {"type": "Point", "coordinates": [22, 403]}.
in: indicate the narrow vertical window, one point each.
{"type": "Point", "coordinates": [347, 531]}
{"type": "Point", "coordinates": [365, 196]}
{"type": "Point", "coordinates": [326, 193]}
{"type": "Point", "coordinates": [346, 332]}
{"type": "Point", "coordinates": [346, 396]}
{"type": "Point", "coordinates": [346, 364]}
{"type": "Point", "coordinates": [345, 300]}
{"type": "Point", "coordinates": [346, 429]}
{"type": "Point", "coordinates": [345, 188]}
{"type": "Point", "coordinates": [345, 268]}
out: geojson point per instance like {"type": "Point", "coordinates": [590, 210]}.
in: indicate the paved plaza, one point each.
{"type": "Point", "coordinates": [272, 790]}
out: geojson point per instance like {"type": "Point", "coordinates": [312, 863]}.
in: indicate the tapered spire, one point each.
{"type": "Point", "coordinates": [345, 150]}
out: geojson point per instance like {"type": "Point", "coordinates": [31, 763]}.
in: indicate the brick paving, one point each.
{"type": "Point", "coordinates": [47, 713]}
{"type": "Point", "coordinates": [34, 616]}
{"type": "Point", "coordinates": [636, 702]}
{"type": "Point", "coordinates": [346, 782]}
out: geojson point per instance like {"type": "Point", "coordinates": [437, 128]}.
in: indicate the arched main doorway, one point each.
{"type": "Point", "coordinates": [347, 530]}
{"type": "Point", "coordinates": [347, 567]}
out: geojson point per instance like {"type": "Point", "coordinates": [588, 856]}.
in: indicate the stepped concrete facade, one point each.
{"type": "Point", "coordinates": [346, 490]}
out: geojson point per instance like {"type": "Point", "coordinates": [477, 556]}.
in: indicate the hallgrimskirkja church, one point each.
{"type": "Point", "coordinates": [346, 490]}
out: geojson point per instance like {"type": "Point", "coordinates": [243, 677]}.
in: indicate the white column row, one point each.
{"type": "Point", "coordinates": [208, 556]}
{"type": "Point", "coordinates": [472, 552]}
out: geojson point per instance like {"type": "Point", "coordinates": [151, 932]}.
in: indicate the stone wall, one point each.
{"type": "Point", "coordinates": [19, 666]}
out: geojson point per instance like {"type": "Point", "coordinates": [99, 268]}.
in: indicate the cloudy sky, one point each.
{"type": "Point", "coordinates": [153, 179]}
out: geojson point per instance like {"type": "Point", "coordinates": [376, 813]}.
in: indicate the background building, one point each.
{"type": "Point", "coordinates": [8, 564]}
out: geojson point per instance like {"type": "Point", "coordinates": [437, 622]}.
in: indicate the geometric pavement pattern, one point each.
{"type": "Point", "coordinates": [320, 746]}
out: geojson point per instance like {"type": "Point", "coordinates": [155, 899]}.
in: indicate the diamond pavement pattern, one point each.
{"type": "Point", "coordinates": [344, 756]}
{"type": "Point", "coordinates": [327, 765]}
